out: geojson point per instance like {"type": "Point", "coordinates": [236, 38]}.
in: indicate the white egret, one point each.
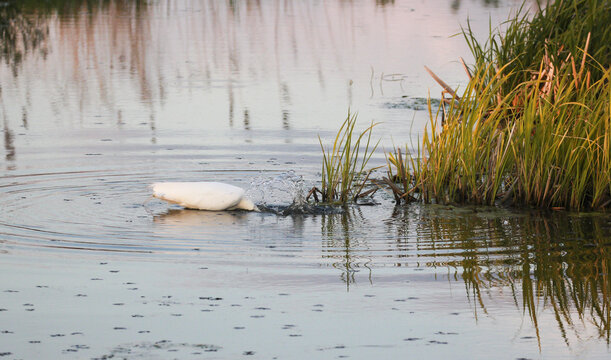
{"type": "Point", "coordinates": [203, 195]}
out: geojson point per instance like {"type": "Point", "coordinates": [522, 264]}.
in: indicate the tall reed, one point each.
{"type": "Point", "coordinates": [344, 165]}
{"type": "Point", "coordinates": [532, 127]}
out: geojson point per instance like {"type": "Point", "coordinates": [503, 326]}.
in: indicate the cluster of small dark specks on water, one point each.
{"type": "Point", "coordinates": [30, 307]}
{"type": "Point", "coordinates": [438, 338]}
{"type": "Point", "coordinates": [130, 350]}
{"type": "Point", "coordinates": [318, 307]}
{"type": "Point", "coordinates": [146, 348]}
{"type": "Point", "coordinates": [140, 305]}
{"type": "Point", "coordinates": [412, 103]}
{"type": "Point", "coordinates": [137, 304]}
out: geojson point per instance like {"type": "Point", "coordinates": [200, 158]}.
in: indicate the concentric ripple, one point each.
{"type": "Point", "coordinates": [93, 210]}
{"type": "Point", "coordinates": [100, 211]}
{"type": "Point", "coordinates": [111, 211]}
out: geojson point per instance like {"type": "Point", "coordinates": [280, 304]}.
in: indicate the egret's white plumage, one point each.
{"type": "Point", "coordinates": [203, 195]}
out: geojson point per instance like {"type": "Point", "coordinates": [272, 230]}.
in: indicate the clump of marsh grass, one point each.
{"type": "Point", "coordinates": [344, 173]}
{"type": "Point", "coordinates": [558, 27]}
{"type": "Point", "coordinates": [401, 180]}
{"type": "Point", "coordinates": [532, 127]}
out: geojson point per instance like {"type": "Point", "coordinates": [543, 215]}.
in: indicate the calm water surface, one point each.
{"type": "Point", "coordinates": [100, 99]}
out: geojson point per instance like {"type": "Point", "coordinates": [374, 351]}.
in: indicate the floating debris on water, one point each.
{"type": "Point", "coordinates": [412, 103]}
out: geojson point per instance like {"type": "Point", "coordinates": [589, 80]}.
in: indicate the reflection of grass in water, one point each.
{"type": "Point", "coordinates": [573, 278]}
{"type": "Point", "coordinates": [341, 244]}
{"type": "Point", "coordinates": [544, 256]}
{"type": "Point", "coordinates": [569, 278]}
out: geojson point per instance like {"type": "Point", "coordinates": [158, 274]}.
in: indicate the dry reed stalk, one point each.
{"type": "Point", "coordinates": [442, 83]}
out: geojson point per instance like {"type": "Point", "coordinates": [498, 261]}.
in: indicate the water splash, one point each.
{"type": "Point", "coordinates": [284, 194]}
{"type": "Point", "coordinates": [284, 189]}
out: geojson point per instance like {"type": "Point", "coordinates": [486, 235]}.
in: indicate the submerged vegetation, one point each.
{"type": "Point", "coordinates": [532, 127]}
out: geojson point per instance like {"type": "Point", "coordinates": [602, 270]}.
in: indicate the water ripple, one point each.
{"type": "Point", "coordinates": [78, 212]}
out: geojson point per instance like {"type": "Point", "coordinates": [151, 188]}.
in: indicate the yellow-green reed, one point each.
{"type": "Point", "coordinates": [343, 167]}
{"type": "Point", "coordinates": [533, 133]}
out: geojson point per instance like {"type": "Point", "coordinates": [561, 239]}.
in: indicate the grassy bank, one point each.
{"type": "Point", "coordinates": [532, 127]}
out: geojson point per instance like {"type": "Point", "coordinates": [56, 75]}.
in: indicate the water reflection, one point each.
{"type": "Point", "coordinates": [9, 147]}
{"type": "Point", "coordinates": [129, 80]}
{"type": "Point", "coordinates": [548, 261]}
{"type": "Point", "coordinates": [558, 262]}
{"type": "Point", "coordinates": [120, 62]}
{"type": "Point", "coordinates": [199, 219]}
{"type": "Point", "coordinates": [20, 35]}
{"type": "Point", "coordinates": [345, 243]}
{"type": "Point", "coordinates": [456, 4]}
{"type": "Point", "coordinates": [246, 120]}
{"type": "Point", "coordinates": [385, 2]}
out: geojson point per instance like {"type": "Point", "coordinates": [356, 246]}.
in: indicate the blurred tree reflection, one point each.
{"type": "Point", "coordinates": [24, 23]}
{"type": "Point", "coordinates": [20, 34]}
{"type": "Point", "coordinates": [66, 7]}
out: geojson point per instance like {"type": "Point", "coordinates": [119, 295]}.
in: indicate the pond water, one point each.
{"type": "Point", "coordinates": [100, 99]}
